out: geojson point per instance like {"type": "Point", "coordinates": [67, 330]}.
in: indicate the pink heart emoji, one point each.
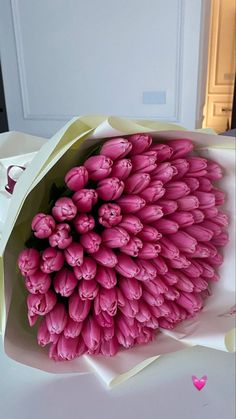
{"type": "Point", "coordinates": [199, 383]}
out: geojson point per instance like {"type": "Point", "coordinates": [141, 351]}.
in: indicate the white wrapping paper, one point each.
{"type": "Point", "coordinates": [213, 327]}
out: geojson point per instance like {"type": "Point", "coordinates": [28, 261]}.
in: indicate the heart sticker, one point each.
{"type": "Point", "coordinates": [199, 383]}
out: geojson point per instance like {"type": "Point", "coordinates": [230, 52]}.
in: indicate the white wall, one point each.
{"type": "Point", "coordinates": [135, 58]}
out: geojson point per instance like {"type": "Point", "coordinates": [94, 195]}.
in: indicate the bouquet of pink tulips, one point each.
{"type": "Point", "coordinates": [112, 242]}
{"type": "Point", "coordinates": [131, 245]}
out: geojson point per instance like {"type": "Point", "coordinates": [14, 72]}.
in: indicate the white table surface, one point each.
{"type": "Point", "coordinates": [161, 391]}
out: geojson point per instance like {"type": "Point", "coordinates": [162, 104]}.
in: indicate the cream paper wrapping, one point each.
{"type": "Point", "coordinates": [213, 327]}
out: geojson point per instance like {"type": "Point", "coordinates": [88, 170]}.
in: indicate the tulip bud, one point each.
{"type": "Point", "coordinates": [150, 213]}
{"type": "Point", "coordinates": [180, 262]}
{"type": "Point", "coordinates": [88, 289]}
{"type": "Point", "coordinates": [205, 184]}
{"type": "Point", "coordinates": [90, 241]}
{"type": "Point", "coordinates": [104, 319]}
{"type": "Point", "coordinates": [142, 163]}
{"type": "Point", "coordinates": [182, 218]}
{"type": "Point", "coordinates": [221, 219]}
{"type": "Point", "coordinates": [188, 203]}
{"type": "Point", "coordinates": [207, 270]}
{"type": "Point", "coordinates": [168, 249]}
{"type": "Point", "coordinates": [117, 148]}
{"type": "Point", "coordinates": [87, 270]}
{"type": "Point", "coordinates": [64, 209]}
{"type": "Point", "coordinates": [219, 196]}
{"type": "Point", "coordinates": [201, 251]}
{"type": "Point", "coordinates": [198, 215]}
{"type": "Point", "coordinates": [76, 178]}
{"type": "Point", "coordinates": [149, 233]}
{"type": "Point", "coordinates": [38, 283]}
{"type": "Point", "coordinates": [84, 223]}
{"type": "Point", "coordinates": [110, 188]}
{"type": "Point", "coordinates": [52, 260]}
{"type": "Point", "coordinates": [184, 241]}
{"type": "Point", "coordinates": [137, 183]}
{"type": "Point", "coordinates": [165, 324]}
{"type": "Point", "coordinates": [43, 225]}
{"type": "Point", "coordinates": [131, 224]}
{"type": "Point", "coordinates": [125, 341]}
{"type": "Point", "coordinates": [170, 277]}
{"type": "Point", "coordinates": [192, 183]}
{"type": "Point", "coordinates": [221, 240]}
{"type": "Point", "coordinates": [106, 300]}
{"type": "Point", "coordinates": [146, 335]}
{"type": "Point", "coordinates": [153, 192]}
{"type": "Point", "coordinates": [67, 349]}
{"type": "Point", "coordinates": [121, 169]}
{"type": "Point", "coordinates": [149, 250]}
{"type": "Point", "coordinates": [197, 166]}
{"type": "Point", "coordinates": [106, 277]}
{"type": "Point", "coordinates": [60, 237]}
{"type": "Point", "coordinates": [98, 167]}
{"type": "Point", "coordinates": [140, 143]}
{"type": "Point", "coordinates": [214, 171]}
{"type": "Point", "coordinates": [167, 206]}
{"type": "Point", "coordinates": [126, 266]}
{"type": "Point", "coordinates": [216, 260]}
{"type": "Point", "coordinates": [200, 232]}
{"type": "Point", "coordinates": [184, 283]}
{"type": "Point", "coordinates": [115, 237]}
{"type": "Point", "coordinates": [64, 282]}
{"type": "Point", "coordinates": [41, 304]}
{"type": "Point", "coordinates": [144, 313]}
{"type": "Point", "coordinates": [180, 147]}
{"type": "Point", "coordinates": [105, 257]}
{"type": "Point", "coordinates": [181, 167]}
{"type": "Point", "coordinates": [190, 301]}
{"type": "Point", "coordinates": [131, 288]}
{"type": "Point", "coordinates": [194, 270]}
{"type": "Point", "coordinates": [176, 189]}
{"type": "Point", "coordinates": [164, 152]}
{"type": "Point", "coordinates": [160, 265]}
{"type": "Point", "coordinates": [43, 335]}
{"type": "Point", "coordinates": [172, 294]}
{"type": "Point", "coordinates": [74, 254]}
{"type": "Point", "coordinates": [131, 203]}
{"type": "Point", "coordinates": [199, 284]}
{"type": "Point", "coordinates": [57, 318]}
{"type": "Point", "coordinates": [85, 199]}
{"type": "Point", "coordinates": [163, 172]}
{"type": "Point", "coordinates": [28, 261]}
{"type": "Point", "coordinates": [130, 308]}
{"type": "Point", "coordinates": [109, 215]}
{"type": "Point", "coordinates": [206, 199]}
{"type": "Point", "coordinates": [78, 309]}
{"type": "Point", "coordinates": [147, 270]}
{"type": "Point", "coordinates": [72, 328]}
{"type": "Point", "coordinates": [165, 226]}
{"type": "Point", "coordinates": [133, 247]}
{"type": "Point", "coordinates": [109, 347]}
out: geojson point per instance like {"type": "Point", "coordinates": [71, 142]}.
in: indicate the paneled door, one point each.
{"type": "Point", "coordinates": [133, 58]}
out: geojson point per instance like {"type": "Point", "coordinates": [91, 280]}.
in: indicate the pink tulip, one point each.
{"type": "Point", "coordinates": [212, 226]}
{"type": "Point", "coordinates": [194, 270]}
{"type": "Point", "coordinates": [149, 233]}
{"type": "Point", "coordinates": [160, 285]}
{"type": "Point", "coordinates": [176, 189]}
{"type": "Point", "coordinates": [221, 240]}
{"type": "Point", "coordinates": [191, 182]}
{"type": "Point", "coordinates": [130, 203]}
{"type": "Point", "coordinates": [160, 265]}
{"type": "Point", "coordinates": [197, 166]}
{"type": "Point", "coordinates": [52, 260]}
{"type": "Point", "coordinates": [32, 318]}
{"type": "Point", "coordinates": [88, 289]}
{"type": "Point", "coordinates": [43, 225]}
{"type": "Point", "coordinates": [115, 237]}
{"type": "Point", "coordinates": [43, 335]}
{"type": "Point", "coordinates": [144, 313]}
{"type": "Point", "coordinates": [168, 249]}
{"type": "Point", "coordinates": [124, 328]}
{"type": "Point", "coordinates": [180, 147]}
{"type": "Point", "coordinates": [170, 277]}
{"type": "Point", "coordinates": [216, 260]}
{"type": "Point", "coordinates": [76, 178]}
{"type": "Point", "coordinates": [38, 283]}
{"type": "Point", "coordinates": [214, 171]}
{"type": "Point", "coordinates": [57, 318]}
{"type": "Point", "coordinates": [106, 277]}
{"type": "Point", "coordinates": [164, 152]}
{"type": "Point", "coordinates": [199, 284]}
{"type": "Point", "coordinates": [106, 300]}
{"type": "Point", "coordinates": [153, 192]}
{"type": "Point", "coordinates": [108, 333]}
{"type": "Point", "coordinates": [105, 257]}
{"type": "Point", "coordinates": [163, 172]}
{"type": "Point", "coordinates": [146, 335]}
{"type": "Point", "coordinates": [66, 349]}
{"type": "Point", "coordinates": [104, 319]}
{"type": "Point", "coordinates": [60, 237]}
{"type": "Point", "coordinates": [172, 294]}
{"type": "Point", "coordinates": [84, 223]}
{"type": "Point", "coordinates": [64, 209]}
{"type": "Point", "coordinates": [184, 241]}
{"type": "Point", "coordinates": [184, 283]}
{"type": "Point", "coordinates": [110, 188]}
{"type": "Point", "coordinates": [87, 270]}
{"type": "Point", "coordinates": [180, 262]}
{"type": "Point", "coordinates": [41, 304]}
{"type": "Point", "coordinates": [28, 261]}
{"type": "Point", "coordinates": [125, 341]}
{"type": "Point", "coordinates": [137, 183]}
{"type": "Point", "coordinates": [131, 288]}
{"type": "Point", "coordinates": [149, 250]}
{"type": "Point", "coordinates": [207, 270]}
{"type": "Point", "coordinates": [130, 308]}
{"type": "Point", "coordinates": [117, 148]}
{"type": "Point", "coordinates": [90, 241]}
{"type": "Point", "coordinates": [147, 270]}
{"type": "Point", "coordinates": [167, 206]}
{"type": "Point", "coordinates": [142, 163]}
{"type": "Point", "coordinates": [165, 324]}
{"type": "Point", "coordinates": [198, 215]}
{"type": "Point", "coordinates": [182, 218]}
{"type": "Point", "coordinates": [200, 232]}
{"type": "Point", "coordinates": [98, 167]}
{"type": "Point", "coordinates": [206, 199]}
{"type": "Point", "coordinates": [85, 199]}
{"type": "Point", "coordinates": [140, 143]}
{"type": "Point", "coordinates": [72, 328]}
{"type": "Point", "coordinates": [181, 167]}
{"type": "Point", "coordinates": [78, 309]}
{"type": "Point", "coordinates": [190, 301]}
{"type": "Point", "coordinates": [205, 184]}
{"type": "Point", "coordinates": [150, 213]}
{"type": "Point", "coordinates": [210, 212]}
{"type": "Point", "coordinates": [221, 219]}
{"type": "Point", "coordinates": [65, 282]}
{"type": "Point", "coordinates": [201, 251]}
{"type": "Point", "coordinates": [126, 266]}
{"type": "Point", "coordinates": [74, 254]}
{"type": "Point", "coordinates": [132, 248]}
{"type": "Point", "coordinates": [109, 215]}
{"type": "Point", "coordinates": [121, 169]}
{"type": "Point", "coordinates": [188, 203]}
{"type": "Point", "coordinates": [109, 347]}
{"type": "Point", "coordinates": [131, 224]}
{"type": "Point", "coordinates": [165, 226]}
{"type": "Point", "coordinates": [219, 196]}
{"type": "Point", "coordinates": [151, 299]}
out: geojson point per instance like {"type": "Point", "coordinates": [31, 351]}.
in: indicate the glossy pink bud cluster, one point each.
{"type": "Point", "coordinates": [132, 248]}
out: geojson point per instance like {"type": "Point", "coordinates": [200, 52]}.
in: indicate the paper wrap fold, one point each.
{"type": "Point", "coordinates": [47, 161]}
